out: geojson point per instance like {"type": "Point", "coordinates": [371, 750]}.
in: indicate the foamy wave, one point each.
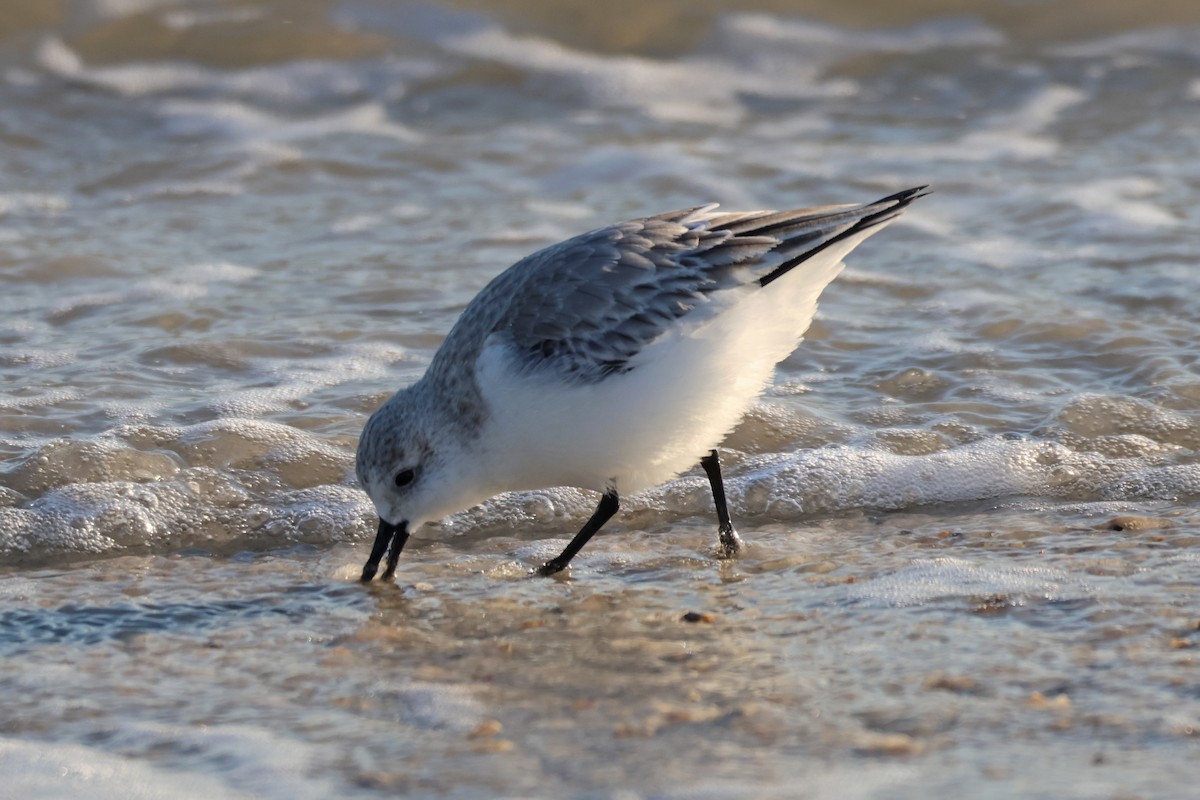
{"type": "Point", "coordinates": [199, 508]}
{"type": "Point", "coordinates": [749, 55]}
{"type": "Point", "coordinates": [792, 486]}
{"type": "Point", "coordinates": [199, 278]}
{"type": "Point", "coordinates": [254, 762]}
{"type": "Point", "coordinates": [161, 488]}
{"type": "Point", "coordinates": [122, 8]}
{"type": "Point", "coordinates": [306, 82]}
{"type": "Point", "coordinates": [294, 379]}
{"type": "Point", "coordinates": [256, 128]}
{"type": "Point", "coordinates": [238, 482]}
{"type": "Point", "coordinates": [35, 203]}
{"type": "Point", "coordinates": [1122, 201]}
{"type": "Point", "coordinates": [678, 91]}
{"type": "Point", "coordinates": [187, 20]}
{"type": "Point", "coordinates": [1180, 40]}
{"type": "Point", "coordinates": [786, 486]}
{"type": "Point", "coordinates": [55, 770]}
{"type": "Point", "coordinates": [926, 580]}
{"type": "Point", "coordinates": [750, 33]}
{"type": "Point", "coordinates": [262, 116]}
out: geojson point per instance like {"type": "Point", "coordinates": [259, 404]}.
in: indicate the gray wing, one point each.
{"type": "Point", "coordinates": [585, 307]}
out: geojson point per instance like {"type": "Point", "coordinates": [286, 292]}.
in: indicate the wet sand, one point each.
{"type": "Point", "coordinates": [1014, 653]}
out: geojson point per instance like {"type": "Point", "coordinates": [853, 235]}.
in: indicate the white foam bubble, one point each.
{"type": "Point", "coordinates": [751, 54]}
{"type": "Point", "coordinates": [181, 20]}
{"type": "Point", "coordinates": [653, 86]}
{"type": "Point", "coordinates": [435, 706]}
{"type": "Point", "coordinates": [178, 189]}
{"type": "Point", "coordinates": [301, 82]}
{"type": "Point", "coordinates": [841, 477]}
{"type": "Point", "coordinates": [1095, 415]}
{"type": "Point", "coordinates": [1122, 201]}
{"type": "Point", "coordinates": [349, 226]}
{"type": "Point", "coordinates": [55, 57]}
{"type": "Point", "coordinates": [265, 116]}
{"type": "Point", "coordinates": [56, 771]}
{"type": "Point", "coordinates": [198, 507]}
{"type": "Point", "coordinates": [254, 762]}
{"type": "Point", "coordinates": [210, 484]}
{"type": "Point", "coordinates": [250, 480]}
{"type": "Point", "coordinates": [545, 509]}
{"type": "Point", "coordinates": [999, 251]}
{"type": "Point", "coordinates": [240, 443]}
{"type": "Point", "coordinates": [295, 378]}
{"type": "Point", "coordinates": [320, 515]}
{"type": "Point", "coordinates": [1180, 40]}
{"type": "Point", "coordinates": [133, 293]}
{"type": "Point", "coordinates": [1019, 133]}
{"type": "Point", "coordinates": [1043, 108]}
{"type": "Point", "coordinates": [219, 272]}
{"type": "Point", "coordinates": [43, 397]}
{"type": "Point", "coordinates": [1158, 483]}
{"type": "Point", "coordinates": [865, 474]}
{"type": "Point", "coordinates": [254, 128]}
{"type": "Point", "coordinates": [751, 32]}
{"type": "Point", "coordinates": [32, 203]}
{"type": "Point", "coordinates": [927, 580]}
{"type": "Point", "coordinates": [124, 8]}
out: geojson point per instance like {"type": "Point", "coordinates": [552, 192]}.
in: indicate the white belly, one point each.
{"type": "Point", "coordinates": [684, 394]}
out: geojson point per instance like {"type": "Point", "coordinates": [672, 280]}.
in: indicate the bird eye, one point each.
{"type": "Point", "coordinates": [404, 477]}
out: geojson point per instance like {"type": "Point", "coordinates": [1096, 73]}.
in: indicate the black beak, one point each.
{"type": "Point", "coordinates": [396, 535]}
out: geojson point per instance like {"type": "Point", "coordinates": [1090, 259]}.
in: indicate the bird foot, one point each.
{"type": "Point", "coordinates": [551, 567]}
{"type": "Point", "coordinates": [731, 545]}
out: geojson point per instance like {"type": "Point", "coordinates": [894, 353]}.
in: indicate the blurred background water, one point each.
{"type": "Point", "coordinates": [230, 229]}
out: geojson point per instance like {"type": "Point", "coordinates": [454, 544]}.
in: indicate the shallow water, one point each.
{"type": "Point", "coordinates": [229, 230]}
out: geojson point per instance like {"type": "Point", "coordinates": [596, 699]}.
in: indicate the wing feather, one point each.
{"type": "Point", "coordinates": [584, 308]}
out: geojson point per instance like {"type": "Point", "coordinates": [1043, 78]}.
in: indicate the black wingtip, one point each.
{"type": "Point", "coordinates": [907, 194]}
{"type": "Point", "coordinates": [893, 206]}
{"type": "Point", "coordinates": [901, 200]}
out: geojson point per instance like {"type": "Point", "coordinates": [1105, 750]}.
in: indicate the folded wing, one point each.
{"type": "Point", "coordinates": [584, 308]}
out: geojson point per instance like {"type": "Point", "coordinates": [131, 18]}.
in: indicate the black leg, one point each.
{"type": "Point", "coordinates": [608, 506]}
{"type": "Point", "coordinates": [731, 543]}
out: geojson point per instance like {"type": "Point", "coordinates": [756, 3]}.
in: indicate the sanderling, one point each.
{"type": "Point", "coordinates": [611, 361]}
